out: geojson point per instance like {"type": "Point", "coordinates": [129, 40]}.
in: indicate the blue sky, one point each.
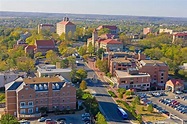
{"type": "Point", "coordinates": [169, 8]}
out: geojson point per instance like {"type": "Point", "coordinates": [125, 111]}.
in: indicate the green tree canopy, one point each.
{"type": "Point", "coordinates": [83, 85]}
{"type": "Point", "coordinates": [81, 74]}
{"type": "Point", "coordinates": [100, 119]}
{"type": "Point", "coordinates": [8, 119]}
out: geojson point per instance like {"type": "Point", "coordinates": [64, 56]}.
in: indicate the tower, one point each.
{"type": "Point", "coordinates": [94, 37]}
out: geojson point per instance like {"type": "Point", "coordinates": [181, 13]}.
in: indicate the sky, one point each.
{"type": "Point", "coordinates": [160, 8]}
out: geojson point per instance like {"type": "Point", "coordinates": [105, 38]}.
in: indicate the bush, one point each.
{"type": "Point", "coordinates": [100, 119]}
{"type": "Point", "coordinates": [109, 74]}
{"type": "Point", "coordinates": [139, 118]}
{"type": "Point", "coordinates": [150, 108]}
{"type": "Point", "coordinates": [112, 93]}
{"type": "Point", "coordinates": [83, 85]}
{"type": "Point", "coordinates": [121, 90]}
{"type": "Point", "coordinates": [120, 95]}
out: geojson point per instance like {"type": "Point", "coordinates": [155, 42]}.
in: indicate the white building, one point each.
{"type": "Point", "coordinates": [7, 77]}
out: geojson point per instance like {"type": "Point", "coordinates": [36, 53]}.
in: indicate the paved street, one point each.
{"type": "Point", "coordinates": [107, 104]}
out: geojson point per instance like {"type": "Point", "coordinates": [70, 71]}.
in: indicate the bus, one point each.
{"type": "Point", "coordinates": [122, 113]}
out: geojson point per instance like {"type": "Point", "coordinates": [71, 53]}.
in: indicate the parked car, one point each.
{"type": "Point", "coordinates": [177, 97]}
{"type": "Point", "coordinates": [178, 92]}
{"type": "Point", "coordinates": [42, 119]}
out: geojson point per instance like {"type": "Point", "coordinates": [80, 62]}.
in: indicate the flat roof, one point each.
{"type": "Point", "coordinates": [41, 80]}
{"type": "Point", "coordinates": [152, 63]}
{"type": "Point", "coordinates": [121, 60]}
{"type": "Point", "coordinates": [124, 74]}
{"type": "Point", "coordinates": [58, 70]}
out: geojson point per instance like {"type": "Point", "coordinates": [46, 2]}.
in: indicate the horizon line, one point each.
{"type": "Point", "coordinates": [97, 14]}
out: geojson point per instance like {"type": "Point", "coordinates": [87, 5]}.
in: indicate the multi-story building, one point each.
{"type": "Point", "coordinates": [120, 64]}
{"type": "Point", "coordinates": [111, 45]}
{"type": "Point", "coordinates": [169, 31]}
{"type": "Point", "coordinates": [65, 27]}
{"type": "Point", "coordinates": [157, 70]}
{"type": "Point", "coordinates": [179, 35]}
{"type": "Point", "coordinates": [25, 96]}
{"type": "Point", "coordinates": [132, 79]}
{"type": "Point", "coordinates": [112, 28]}
{"type": "Point", "coordinates": [147, 31]}
{"type": "Point", "coordinates": [46, 27]}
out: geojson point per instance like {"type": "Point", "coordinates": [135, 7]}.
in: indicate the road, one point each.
{"type": "Point", "coordinates": [107, 105]}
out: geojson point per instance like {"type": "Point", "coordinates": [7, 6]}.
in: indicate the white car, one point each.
{"type": "Point", "coordinates": [42, 119]}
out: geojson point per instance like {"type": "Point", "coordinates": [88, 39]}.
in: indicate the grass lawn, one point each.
{"type": "Point", "coordinates": [147, 116]}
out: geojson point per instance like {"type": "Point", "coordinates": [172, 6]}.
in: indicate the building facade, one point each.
{"type": "Point", "coordinates": [65, 27]}
{"type": "Point", "coordinates": [169, 31]}
{"type": "Point", "coordinates": [112, 28]}
{"type": "Point", "coordinates": [25, 96]}
{"type": "Point", "coordinates": [179, 35]}
{"type": "Point", "coordinates": [132, 79]}
{"type": "Point", "coordinates": [111, 45]}
{"type": "Point", "coordinates": [147, 31]}
{"type": "Point", "coordinates": [157, 70]}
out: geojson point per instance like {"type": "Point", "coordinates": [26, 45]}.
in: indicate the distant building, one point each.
{"type": "Point", "coordinates": [132, 79]}
{"type": "Point", "coordinates": [6, 77]}
{"type": "Point", "coordinates": [65, 27]}
{"type": "Point", "coordinates": [46, 27]}
{"type": "Point", "coordinates": [179, 35]}
{"type": "Point", "coordinates": [52, 70]}
{"type": "Point", "coordinates": [147, 31]}
{"type": "Point", "coordinates": [157, 70]}
{"type": "Point", "coordinates": [113, 29]}
{"type": "Point", "coordinates": [44, 45]}
{"type": "Point", "coordinates": [25, 96]}
{"type": "Point", "coordinates": [169, 31]}
{"type": "Point", "coordinates": [174, 85]}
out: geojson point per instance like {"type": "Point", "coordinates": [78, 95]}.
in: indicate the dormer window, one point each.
{"type": "Point", "coordinates": [53, 86]}
{"type": "Point", "coordinates": [35, 87]}
{"type": "Point", "coordinates": [57, 86]}
{"type": "Point", "coordinates": [41, 87]}
{"type": "Point", "coordinates": [45, 86]}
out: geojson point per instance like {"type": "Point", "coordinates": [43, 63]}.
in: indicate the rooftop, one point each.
{"type": "Point", "coordinates": [124, 74]}
{"type": "Point", "coordinates": [45, 43]}
{"type": "Point", "coordinates": [111, 27]}
{"type": "Point", "coordinates": [66, 23]}
{"type": "Point", "coordinates": [57, 70]}
{"type": "Point", "coordinates": [41, 80]}
{"type": "Point", "coordinates": [120, 60]}
{"type": "Point", "coordinates": [50, 25]}
{"type": "Point", "coordinates": [111, 41]}
{"type": "Point", "coordinates": [152, 63]}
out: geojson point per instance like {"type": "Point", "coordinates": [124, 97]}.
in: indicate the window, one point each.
{"type": "Point", "coordinates": [26, 88]}
{"type": "Point", "coordinates": [147, 84]}
{"type": "Point", "coordinates": [36, 102]}
{"type": "Point", "coordinates": [162, 81]}
{"type": "Point", "coordinates": [30, 103]}
{"type": "Point", "coordinates": [36, 95]}
{"type": "Point", "coordinates": [144, 84]}
{"type": "Point", "coordinates": [67, 93]}
{"type": "Point", "coordinates": [22, 96]}
{"type": "Point", "coordinates": [161, 78]}
{"type": "Point", "coordinates": [162, 74]}
{"type": "Point", "coordinates": [62, 100]}
{"type": "Point", "coordinates": [30, 110]}
{"type": "Point", "coordinates": [36, 109]}
{"type": "Point", "coordinates": [22, 103]}
{"type": "Point", "coordinates": [30, 96]}
{"type": "Point", "coordinates": [22, 111]}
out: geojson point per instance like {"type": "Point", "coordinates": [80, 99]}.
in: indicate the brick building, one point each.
{"type": "Point", "coordinates": [65, 27]}
{"type": "Point", "coordinates": [132, 79]}
{"type": "Point", "coordinates": [112, 28]}
{"type": "Point", "coordinates": [147, 31]}
{"type": "Point", "coordinates": [179, 35]}
{"type": "Point", "coordinates": [157, 70]}
{"type": "Point", "coordinates": [25, 97]}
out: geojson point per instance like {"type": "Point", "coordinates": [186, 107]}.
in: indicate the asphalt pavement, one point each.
{"type": "Point", "coordinates": [107, 105]}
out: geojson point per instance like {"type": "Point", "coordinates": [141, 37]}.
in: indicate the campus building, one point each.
{"type": "Point", "coordinates": [112, 29]}
{"type": "Point", "coordinates": [147, 31]}
{"type": "Point", "coordinates": [65, 27]}
{"type": "Point", "coordinates": [25, 96]}
{"type": "Point", "coordinates": [179, 35]}
{"type": "Point", "coordinates": [157, 70]}
{"type": "Point", "coordinates": [46, 27]}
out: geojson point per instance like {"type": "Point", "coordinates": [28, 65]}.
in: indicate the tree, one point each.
{"type": "Point", "coordinates": [81, 74]}
{"type": "Point", "coordinates": [25, 64]}
{"type": "Point", "coordinates": [71, 60]}
{"type": "Point", "coordinates": [102, 65]}
{"type": "Point", "coordinates": [139, 118]}
{"type": "Point", "coordinates": [51, 56]}
{"type": "Point", "coordinates": [83, 85]}
{"type": "Point", "coordinates": [100, 52]}
{"type": "Point", "coordinates": [150, 108]}
{"type": "Point", "coordinates": [70, 35]}
{"type": "Point", "coordinates": [121, 90]}
{"type": "Point", "coordinates": [65, 63]}
{"type": "Point", "coordinates": [100, 119]}
{"type": "Point", "coordinates": [137, 100]}
{"type": "Point", "coordinates": [103, 31]}
{"type": "Point", "coordinates": [38, 55]}
{"type": "Point", "coordinates": [82, 50]}
{"type": "Point", "coordinates": [90, 48]}
{"type": "Point", "coordinates": [8, 119]}
{"type": "Point", "coordinates": [73, 75]}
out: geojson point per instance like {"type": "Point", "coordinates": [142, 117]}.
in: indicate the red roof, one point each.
{"type": "Point", "coordinates": [180, 34]}
{"type": "Point", "coordinates": [176, 82]}
{"type": "Point", "coordinates": [111, 41]}
{"type": "Point", "coordinates": [45, 43]}
{"type": "Point", "coordinates": [111, 27]}
{"type": "Point", "coordinates": [66, 23]}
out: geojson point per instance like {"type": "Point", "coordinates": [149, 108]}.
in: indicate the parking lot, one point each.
{"type": "Point", "coordinates": [168, 103]}
{"type": "Point", "coordinates": [69, 119]}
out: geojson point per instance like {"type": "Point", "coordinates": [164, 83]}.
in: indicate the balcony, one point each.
{"type": "Point", "coordinates": [34, 115]}
{"type": "Point", "coordinates": [26, 106]}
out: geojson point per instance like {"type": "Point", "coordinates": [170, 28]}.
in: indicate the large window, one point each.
{"type": "Point", "coordinates": [30, 110]}
{"type": "Point", "coordinates": [22, 111]}
{"type": "Point", "coordinates": [22, 103]}
{"type": "Point", "coordinates": [30, 103]}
